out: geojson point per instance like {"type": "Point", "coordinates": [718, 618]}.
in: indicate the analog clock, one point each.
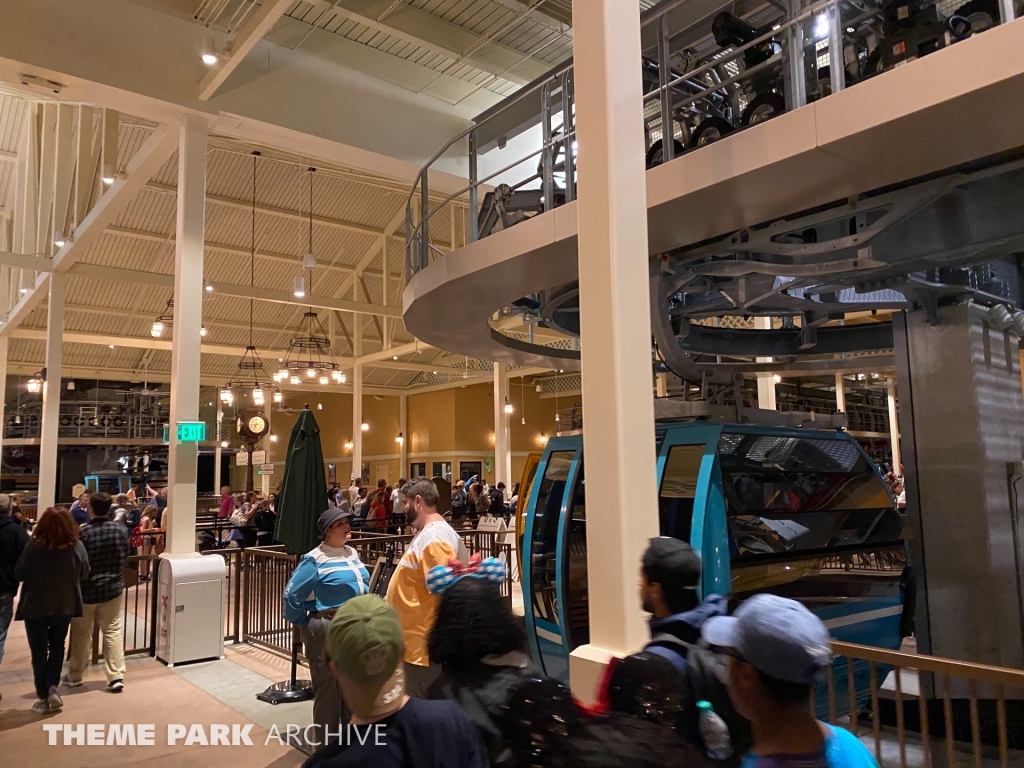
{"type": "Point", "coordinates": [251, 425]}
{"type": "Point", "coordinates": [257, 425]}
{"type": "Point", "coordinates": [238, 424]}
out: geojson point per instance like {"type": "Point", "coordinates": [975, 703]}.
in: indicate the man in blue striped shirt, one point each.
{"type": "Point", "coordinates": [325, 579]}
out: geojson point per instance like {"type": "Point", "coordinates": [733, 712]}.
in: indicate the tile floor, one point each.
{"type": "Point", "coordinates": [217, 692]}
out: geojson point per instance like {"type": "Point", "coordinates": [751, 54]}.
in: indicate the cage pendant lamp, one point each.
{"type": "Point", "coordinates": [309, 350]}
{"type": "Point", "coordinates": [250, 377]}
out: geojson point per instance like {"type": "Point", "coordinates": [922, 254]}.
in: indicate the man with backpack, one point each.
{"type": "Point", "coordinates": [669, 578]}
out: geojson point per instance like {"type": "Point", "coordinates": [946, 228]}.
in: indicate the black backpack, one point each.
{"type": "Point", "coordinates": [704, 684]}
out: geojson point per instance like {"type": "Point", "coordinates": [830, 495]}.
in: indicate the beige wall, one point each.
{"type": "Point", "coordinates": [451, 425]}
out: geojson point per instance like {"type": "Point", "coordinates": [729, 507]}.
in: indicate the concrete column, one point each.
{"type": "Point", "coordinates": [51, 391]}
{"type": "Point", "coordinates": [840, 393]}
{"type": "Point", "coordinates": [185, 346]}
{"type": "Point", "coordinates": [403, 426]}
{"type": "Point", "coordinates": [502, 441]}
{"type": "Point", "coordinates": [962, 427]}
{"type": "Point", "coordinates": [615, 321]}
{"type": "Point", "coordinates": [894, 426]}
{"type": "Point", "coordinates": [765, 381]}
{"type": "Point", "coordinates": [357, 420]}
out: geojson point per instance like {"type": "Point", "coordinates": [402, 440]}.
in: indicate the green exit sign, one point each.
{"type": "Point", "coordinates": [191, 431]}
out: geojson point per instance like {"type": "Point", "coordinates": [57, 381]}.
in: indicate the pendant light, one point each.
{"type": "Point", "coordinates": [250, 375]}
{"type": "Point", "coordinates": [309, 349]}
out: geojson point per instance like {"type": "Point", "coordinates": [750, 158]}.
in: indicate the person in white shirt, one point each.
{"type": "Point", "coordinates": [396, 496]}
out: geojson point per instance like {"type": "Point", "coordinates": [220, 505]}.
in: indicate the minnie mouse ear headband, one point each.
{"type": "Point", "coordinates": [440, 577]}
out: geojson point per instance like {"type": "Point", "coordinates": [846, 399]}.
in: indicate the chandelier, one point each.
{"type": "Point", "coordinates": [250, 375]}
{"type": "Point", "coordinates": [309, 351]}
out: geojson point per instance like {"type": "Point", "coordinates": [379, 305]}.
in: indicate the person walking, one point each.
{"type": "Point", "coordinates": [776, 650]}
{"type": "Point", "coordinates": [103, 596]}
{"type": "Point", "coordinates": [50, 570]}
{"type": "Point", "coordinates": [366, 646]}
{"type": "Point", "coordinates": [13, 539]}
{"type": "Point", "coordinates": [436, 543]}
{"type": "Point", "coordinates": [227, 503]}
{"type": "Point", "coordinates": [326, 578]}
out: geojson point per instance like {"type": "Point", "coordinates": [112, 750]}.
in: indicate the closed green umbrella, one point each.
{"type": "Point", "coordinates": [302, 497]}
{"type": "Point", "coordinates": [299, 505]}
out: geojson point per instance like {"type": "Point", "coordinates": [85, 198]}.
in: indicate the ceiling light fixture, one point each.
{"type": "Point", "coordinates": [400, 439]}
{"type": "Point", "coordinates": [209, 54]}
{"type": "Point", "coordinates": [508, 405]}
{"type": "Point", "coordinates": [278, 396]}
{"type": "Point", "coordinates": [250, 373]}
{"type": "Point", "coordinates": [348, 445]}
{"type": "Point", "coordinates": [208, 286]}
{"type": "Point", "coordinates": [202, 330]}
{"type": "Point", "coordinates": [299, 287]}
{"type": "Point", "coordinates": [309, 349]}
{"type": "Point", "coordinates": [364, 426]}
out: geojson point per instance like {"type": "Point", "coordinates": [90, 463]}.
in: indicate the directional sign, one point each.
{"type": "Point", "coordinates": [191, 431]}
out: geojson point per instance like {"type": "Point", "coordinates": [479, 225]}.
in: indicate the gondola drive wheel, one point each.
{"type": "Point", "coordinates": [710, 130]}
{"type": "Point", "coordinates": [656, 155]}
{"type": "Point", "coordinates": [763, 107]}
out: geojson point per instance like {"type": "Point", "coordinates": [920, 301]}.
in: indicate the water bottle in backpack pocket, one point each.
{"type": "Point", "coordinates": [714, 732]}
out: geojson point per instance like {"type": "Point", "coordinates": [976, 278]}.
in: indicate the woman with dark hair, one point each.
{"type": "Point", "coordinates": [50, 569]}
{"type": "Point", "coordinates": [478, 645]}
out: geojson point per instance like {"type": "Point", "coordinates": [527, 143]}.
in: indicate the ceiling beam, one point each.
{"type": "Point", "coordinates": [156, 237]}
{"type": "Point", "coordinates": [151, 155]}
{"type": "Point", "coordinates": [288, 213]}
{"type": "Point", "coordinates": [21, 261]}
{"type": "Point", "coordinates": [261, 23]}
{"type": "Point", "coordinates": [402, 365]}
{"type": "Point", "coordinates": [98, 272]}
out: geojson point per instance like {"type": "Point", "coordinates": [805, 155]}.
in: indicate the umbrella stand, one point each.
{"type": "Point", "coordinates": [289, 690]}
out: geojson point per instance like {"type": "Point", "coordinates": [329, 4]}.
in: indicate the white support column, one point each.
{"type": "Point", "coordinates": [661, 384]}
{"type": "Point", "coordinates": [403, 426]}
{"type": "Point", "coordinates": [185, 347]}
{"type": "Point", "coordinates": [357, 419]}
{"type": "Point", "coordinates": [615, 317]}
{"type": "Point", "coordinates": [218, 450]}
{"type": "Point", "coordinates": [894, 427]}
{"type": "Point", "coordinates": [51, 392]}
{"type": "Point", "coordinates": [502, 438]}
{"type": "Point", "coordinates": [840, 393]}
{"type": "Point", "coordinates": [3, 391]}
{"type": "Point", "coordinates": [765, 381]}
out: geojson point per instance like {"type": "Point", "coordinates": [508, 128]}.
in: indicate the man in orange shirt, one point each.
{"type": "Point", "coordinates": [435, 543]}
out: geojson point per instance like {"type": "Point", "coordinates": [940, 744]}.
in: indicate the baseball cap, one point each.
{"type": "Point", "coordinates": [673, 561]}
{"type": "Point", "coordinates": [779, 637]}
{"type": "Point", "coordinates": [330, 517]}
{"type": "Point", "coordinates": [365, 643]}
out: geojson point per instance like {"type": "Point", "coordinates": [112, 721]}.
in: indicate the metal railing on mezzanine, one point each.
{"type": "Point", "coordinates": [701, 81]}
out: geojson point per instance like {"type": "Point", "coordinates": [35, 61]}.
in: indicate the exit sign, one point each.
{"type": "Point", "coordinates": [191, 431]}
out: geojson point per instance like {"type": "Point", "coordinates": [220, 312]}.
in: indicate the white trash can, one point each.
{"type": "Point", "coordinates": [190, 609]}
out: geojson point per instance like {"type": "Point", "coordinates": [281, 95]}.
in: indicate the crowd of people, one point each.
{"type": "Point", "coordinates": [71, 577]}
{"type": "Point", "coordinates": [440, 663]}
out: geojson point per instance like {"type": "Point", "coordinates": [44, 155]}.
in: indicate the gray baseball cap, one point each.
{"type": "Point", "coordinates": [777, 636]}
{"type": "Point", "coordinates": [330, 517]}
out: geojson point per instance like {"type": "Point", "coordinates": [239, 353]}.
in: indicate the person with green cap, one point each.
{"type": "Point", "coordinates": [326, 577]}
{"type": "Point", "coordinates": [388, 729]}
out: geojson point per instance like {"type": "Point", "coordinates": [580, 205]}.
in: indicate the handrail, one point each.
{"type": "Point", "coordinates": [934, 664]}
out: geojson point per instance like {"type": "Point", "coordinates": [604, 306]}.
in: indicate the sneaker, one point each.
{"type": "Point", "coordinates": [67, 682]}
{"type": "Point", "coordinates": [115, 686]}
{"type": "Point", "coordinates": [41, 707]}
{"type": "Point", "coordinates": [54, 701]}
